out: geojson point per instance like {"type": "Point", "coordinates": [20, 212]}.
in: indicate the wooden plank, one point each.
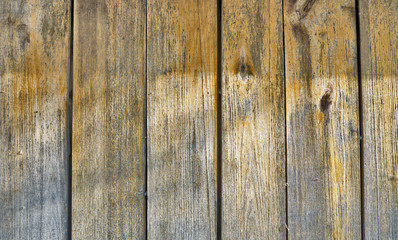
{"type": "Point", "coordinates": [253, 120]}
{"type": "Point", "coordinates": [33, 107]}
{"type": "Point", "coordinates": [108, 120]}
{"type": "Point", "coordinates": [182, 72]}
{"type": "Point", "coordinates": [323, 149]}
{"type": "Point", "coordinates": [379, 71]}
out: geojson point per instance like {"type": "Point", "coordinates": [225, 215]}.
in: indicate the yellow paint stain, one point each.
{"type": "Point", "coordinates": [320, 117]}
{"type": "Point", "coordinates": [338, 192]}
{"type": "Point", "coordinates": [293, 89]}
{"type": "Point", "coordinates": [28, 89]}
{"type": "Point", "coordinates": [34, 75]}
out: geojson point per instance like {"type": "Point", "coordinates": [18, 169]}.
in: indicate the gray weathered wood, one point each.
{"type": "Point", "coordinates": [34, 44]}
{"type": "Point", "coordinates": [322, 112]}
{"type": "Point", "coordinates": [379, 67]}
{"type": "Point", "coordinates": [253, 120]}
{"type": "Point", "coordinates": [108, 120]}
{"type": "Point", "coordinates": [182, 70]}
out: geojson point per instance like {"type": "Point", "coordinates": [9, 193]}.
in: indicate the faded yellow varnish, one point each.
{"type": "Point", "coordinates": [108, 184]}
{"type": "Point", "coordinates": [182, 70]}
{"type": "Point", "coordinates": [379, 59]}
{"type": "Point", "coordinates": [253, 121]}
{"type": "Point", "coordinates": [33, 83]}
{"type": "Point", "coordinates": [323, 157]}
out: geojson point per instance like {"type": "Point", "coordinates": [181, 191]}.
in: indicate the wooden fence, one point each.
{"type": "Point", "coordinates": [207, 119]}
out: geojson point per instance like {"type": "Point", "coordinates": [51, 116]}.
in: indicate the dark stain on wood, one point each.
{"type": "Point", "coordinates": [305, 8]}
{"type": "Point", "coordinates": [302, 11]}
{"type": "Point", "coordinates": [349, 9]}
{"type": "Point", "coordinates": [300, 32]}
{"type": "Point", "coordinates": [23, 35]}
{"type": "Point", "coordinates": [305, 65]}
{"type": "Point", "coordinates": [290, 5]}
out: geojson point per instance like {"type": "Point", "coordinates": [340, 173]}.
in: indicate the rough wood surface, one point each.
{"type": "Point", "coordinates": [253, 120]}
{"type": "Point", "coordinates": [33, 100]}
{"type": "Point", "coordinates": [322, 120]}
{"type": "Point", "coordinates": [108, 130]}
{"type": "Point", "coordinates": [182, 70]}
{"type": "Point", "coordinates": [379, 67]}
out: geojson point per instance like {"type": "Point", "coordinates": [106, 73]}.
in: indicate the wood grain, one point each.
{"type": "Point", "coordinates": [182, 70]}
{"type": "Point", "coordinates": [379, 69]}
{"type": "Point", "coordinates": [108, 120]}
{"type": "Point", "coordinates": [322, 112]}
{"type": "Point", "coordinates": [253, 120]}
{"type": "Point", "coordinates": [33, 107]}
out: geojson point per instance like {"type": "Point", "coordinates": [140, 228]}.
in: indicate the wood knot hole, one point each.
{"type": "Point", "coordinates": [326, 99]}
{"type": "Point", "coordinates": [243, 68]}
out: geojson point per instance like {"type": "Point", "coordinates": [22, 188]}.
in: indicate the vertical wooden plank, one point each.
{"type": "Point", "coordinates": [253, 120]}
{"type": "Point", "coordinates": [108, 131]}
{"type": "Point", "coordinates": [379, 71]}
{"type": "Point", "coordinates": [322, 120]}
{"type": "Point", "coordinates": [33, 98]}
{"type": "Point", "coordinates": [182, 71]}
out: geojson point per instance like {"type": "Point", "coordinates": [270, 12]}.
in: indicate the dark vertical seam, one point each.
{"type": "Point", "coordinates": [69, 119]}
{"type": "Point", "coordinates": [145, 121]}
{"type": "Point", "coordinates": [361, 159]}
{"type": "Point", "coordinates": [285, 98]}
{"type": "Point", "coordinates": [219, 118]}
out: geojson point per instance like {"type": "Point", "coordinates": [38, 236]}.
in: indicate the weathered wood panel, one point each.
{"type": "Point", "coordinates": [108, 120]}
{"type": "Point", "coordinates": [323, 149]}
{"type": "Point", "coordinates": [182, 71]}
{"type": "Point", "coordinates": [253, 120]}
{"type": "Point", "coordinates": [33, 108]}
{"type": "Point", "coordinates": [379, 67]}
